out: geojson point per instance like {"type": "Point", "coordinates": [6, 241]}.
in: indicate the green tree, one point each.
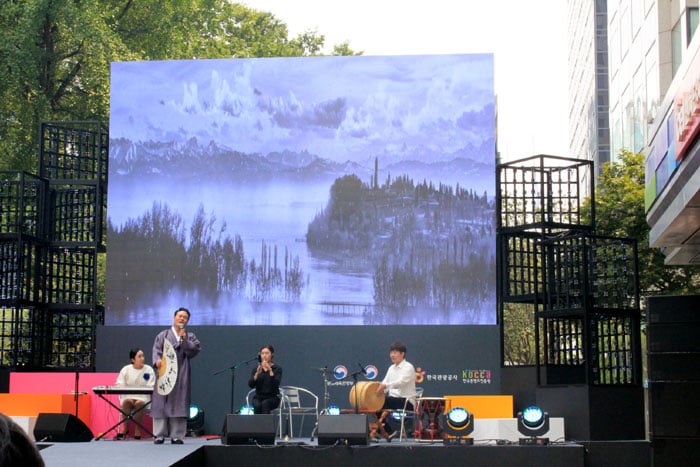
{"type": "Point", "coordinates": [185, 29]}
{"type": "Point", "coordinates": [344, 49]}
{"type": "Point", "coordinates": [619, 205]}
{"type": "Point", "coordinates": [55, 55]}
{"type": "Point", "coordinates": [518, 334]}
{"type": "Point", "coordinates": [54, 65]}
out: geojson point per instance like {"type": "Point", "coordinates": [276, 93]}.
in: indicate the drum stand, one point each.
{"type": "Point", "coordinates": [326, 398]}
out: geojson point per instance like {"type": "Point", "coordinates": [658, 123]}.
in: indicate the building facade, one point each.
{"type": "Point", "coordinates": [589, 129]}
{"type": "Point", "coordinates": [647, 41]}
{"type": "Point", "coordinates": [631, 65]}
{"type": "Point", "coordinates": [672, 195]}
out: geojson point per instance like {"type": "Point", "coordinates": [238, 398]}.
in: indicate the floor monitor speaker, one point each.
{"type": "Point", "coordinates": [61, 427]}
{"type": "Point", "coordinates": [350, 429]}
{"type": "Point", "coordinates": [249, 429]}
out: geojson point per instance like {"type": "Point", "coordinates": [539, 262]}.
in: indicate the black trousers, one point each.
{"type": "Point", "coordinates": [265, 405]}
{"type": "Point", "coordinates": [395, 403]}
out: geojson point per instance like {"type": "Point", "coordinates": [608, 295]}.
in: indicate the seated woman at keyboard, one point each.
{"type": "Point", "coordinates": [137, 373]}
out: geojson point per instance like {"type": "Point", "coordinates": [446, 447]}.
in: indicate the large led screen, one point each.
{"type": "Point", "coordinates": [303, 191]}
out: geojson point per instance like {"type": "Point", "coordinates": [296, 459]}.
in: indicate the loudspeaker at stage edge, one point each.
{"type": "Point", "coordinates": [350, 429]}
{"type": "Point", "coordinates": [249, 429]}
{"type": "Point", "coordinates": [61, 427]}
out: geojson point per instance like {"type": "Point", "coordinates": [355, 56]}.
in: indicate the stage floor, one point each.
{"type": "Point", "coordinates": [209, 452]}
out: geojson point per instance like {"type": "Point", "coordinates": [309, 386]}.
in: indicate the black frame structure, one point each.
{"type": "Point", "coordinates": [580, 289]}
{"type": "Point", "coordinates": [52, 228]}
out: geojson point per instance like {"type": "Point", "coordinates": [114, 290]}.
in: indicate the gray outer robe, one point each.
{"type": "Point", "coordinates": [177, 403]}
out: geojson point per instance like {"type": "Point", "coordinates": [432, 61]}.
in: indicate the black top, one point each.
{"type": "Point", "coordinates": [266, 385]}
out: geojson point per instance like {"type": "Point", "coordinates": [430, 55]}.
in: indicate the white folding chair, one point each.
{"type": "Point", "coordinates": [277, 411]}
{"type": "Point", "coordinates": [409, 413]}
{"type": "Point", "coordinates": [249, 398]}
{"type": "Point", "coordinates": [297, 401]}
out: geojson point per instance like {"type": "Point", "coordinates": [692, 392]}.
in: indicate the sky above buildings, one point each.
{"type": "Point", "coordinates": [528, 40]}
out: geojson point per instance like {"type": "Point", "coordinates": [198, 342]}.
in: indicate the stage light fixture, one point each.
{"type": "Point", "coordinates": [333, 410]}
{"type": "Point", "coordinates": [246, 410]}
{"type": "Point", "coordinates": [533, 422]}
{"type": "Point", "coordinates": [195, 421]}
{"type": "Point", "coordinates": [457, 425]}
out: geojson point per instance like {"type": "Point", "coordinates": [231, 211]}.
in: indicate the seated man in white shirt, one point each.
{"type": "Point", "coordinates": [399, 383]}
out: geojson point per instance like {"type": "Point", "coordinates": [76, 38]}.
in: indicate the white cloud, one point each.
{"type": "Point", "coordinates": [528, 39]}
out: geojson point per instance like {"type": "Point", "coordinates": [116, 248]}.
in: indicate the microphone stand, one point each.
{"type": "Point", "coordinates": [354, 384]}
{"type": "Point", "coordinates": [326, 398]}
{"type": "Point", "coordinates": [233, 375]}
{"type": "Point", "coordinates": [354, 379]}
{"type": "Point", "coordinates": [326, 395]}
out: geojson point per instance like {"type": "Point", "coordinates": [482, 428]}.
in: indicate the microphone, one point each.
{"type": "Point", "coordinates": [181, 326]}
{"type": "Point", "coordinates": [362, 368]}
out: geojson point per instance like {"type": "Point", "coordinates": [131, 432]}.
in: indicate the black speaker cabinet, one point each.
{"type": "Point", "coordinates": [61, 428]}
{"type": "Point", "coordinates": [673, 410]}
{"type": "Point", "coordinates": [249, 429]}
{"type": "Point", "coordinates": [4, 380]}
{"type": "Point", "coordinates": [350, 429]}
{"type": "Point", "coordinates": [673, 359]}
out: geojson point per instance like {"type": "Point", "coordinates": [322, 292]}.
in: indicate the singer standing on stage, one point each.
{"type": "Point", "coordinates": [170, 412]}
{"type": "Point", "coordinates": [266, 380]}
{"type": "Point", "coordinates": [399, 383]}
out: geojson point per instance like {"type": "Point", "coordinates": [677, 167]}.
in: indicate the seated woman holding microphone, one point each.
{"type": "Point", "coordinates": [266, 380]}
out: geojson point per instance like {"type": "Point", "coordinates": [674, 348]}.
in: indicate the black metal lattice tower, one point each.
{"type": "Point", "coordinates": [581, 289]}
{"type": "Point", "coordinates": [52, 227]}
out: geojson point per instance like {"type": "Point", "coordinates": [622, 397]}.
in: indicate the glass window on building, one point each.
{"type": "Point", "coordinates": [616, 139]}
{"type": "Point", "coordinates": [614, 38]}
{"type": "Point", "coordinates": [625, 31]}
{"type": "Point", "coordinates": [638, 124]}
{"type": "Point", "coordinates": [692, 18]}
{"type": "Point", "coordinates": [651, 88]}
{"type": "Point", "coordinates": [648, 4]}
{"type": "Point", "coordinates": [639, 138]}
{"type": "Point", "coordinates": [671, 136]}
{"type": "Point", "coordinates": [661, 174]}
{"type": "Point", "coordinates": [676, 47]}
{"type": "Point", "coordinates": [628, 118]}
{"type": "Point", "coordinates": [637, 17]}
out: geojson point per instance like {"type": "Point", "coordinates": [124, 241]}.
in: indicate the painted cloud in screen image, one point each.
{"type": "Point", "coordinates": [303, 191]}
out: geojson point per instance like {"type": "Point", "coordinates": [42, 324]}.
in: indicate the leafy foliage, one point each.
{"type": "Point", "coordinates": [55, 55]}
{"type": "Point", "coordinates": [619, 206]}
{"type": "Point", "coordinates": [518, 335]}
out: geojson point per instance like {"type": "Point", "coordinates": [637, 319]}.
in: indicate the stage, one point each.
{"type": "Point", "coordinates": [210, 452]}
